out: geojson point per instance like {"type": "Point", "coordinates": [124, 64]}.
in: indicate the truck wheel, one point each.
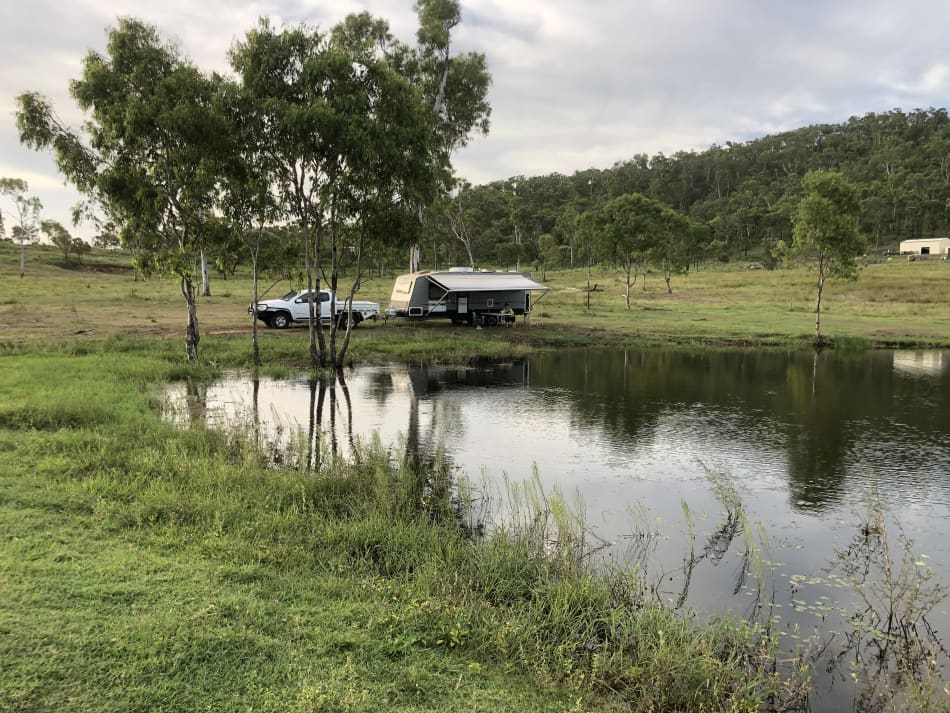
{"type": "Point", "coordinates": [281, 320]}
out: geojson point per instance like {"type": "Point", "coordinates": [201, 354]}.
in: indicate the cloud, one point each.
{"type": "Point", "coordinates": [576, 84]}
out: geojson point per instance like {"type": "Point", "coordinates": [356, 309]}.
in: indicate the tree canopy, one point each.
{"type": "Point", "coordinates": [341, 132]}
{"type": "Point", "coordinates": [150, 150]}
{"type": "Point", "coordinates": [745, 194]}
{"type": "Point", "coordinates": [826, 223]}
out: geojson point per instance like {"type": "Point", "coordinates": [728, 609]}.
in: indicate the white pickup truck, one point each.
{"type": "Point", "coordinates": [294, 307]}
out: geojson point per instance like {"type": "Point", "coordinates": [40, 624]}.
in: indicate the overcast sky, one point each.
{"type": "Point", "coordinates": [576, 83]}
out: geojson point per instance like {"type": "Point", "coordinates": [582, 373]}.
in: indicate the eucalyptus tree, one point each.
{"type": "Point", "coordinates": [289, 73]}
{"type": "Point", "coordinates": [549, 254]}
{"type": "Point", "coordinates": [455, 86]}
{"type": "Point", "coordinates": [477, 218]}
{"type": "Point", "coordinates": [107, 238]}
{"type": "Point", "coordinates": [348, 138]}
{"type": "Point", "coordinates": [80, 248]}
{"type": "Point", "coordinates": [826, 225]}
{"type": "Point", "coordinates": [589, 225]}
{"type": "Point", "coordinates": [26, 214]}
{"type": "Point", "coordinates": [248, 197]}
{"type": "Point", "coordinates": [150, 150]}
{"type": "Point", "coordinates": [673, 246]}
{"type": "Point", "coordinates": [629, 228]}
{"type": "Point", "coordinates": [565, 225]}
{"type": "Point", "coordinates": [386, 161]}
{"type": "Point", "coordinates": [58, 236]}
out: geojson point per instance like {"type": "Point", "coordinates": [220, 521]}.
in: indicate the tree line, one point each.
{"type": "Point", "coordinates": [740, 198]}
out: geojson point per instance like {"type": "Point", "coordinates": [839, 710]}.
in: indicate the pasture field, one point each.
{"type": "Point", "coordinates": [892, 303]}
{"type": "Point", "coordinates": [148, 567]}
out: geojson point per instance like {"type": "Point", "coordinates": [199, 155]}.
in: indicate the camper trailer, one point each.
{"type": "Point", "coordinates": [464, 296]}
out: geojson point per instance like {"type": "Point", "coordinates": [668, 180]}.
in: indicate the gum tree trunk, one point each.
{"type": "Point", "coordinates": [192, 335]}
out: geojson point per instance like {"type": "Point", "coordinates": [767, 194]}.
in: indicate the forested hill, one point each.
{"type": "Point", "coordinates": [745, 192]}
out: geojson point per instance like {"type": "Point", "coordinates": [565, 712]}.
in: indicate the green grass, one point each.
{"type": "Point", "coordinates": [895, 303]}
{"type": "Point", "coordinates": [147, 568]}
{"type": "Point", "coordinates": [144, 567]}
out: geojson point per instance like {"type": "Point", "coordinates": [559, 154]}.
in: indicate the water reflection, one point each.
{"type": "Point", "coordinates": [816, 426]}
{"type": "Point", "coordinates": [708, 466]}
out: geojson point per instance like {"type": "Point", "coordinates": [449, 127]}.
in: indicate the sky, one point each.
{"type": "Point", "coordinates": [576, 84]}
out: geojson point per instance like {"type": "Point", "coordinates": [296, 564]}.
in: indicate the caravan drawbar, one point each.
{"type": "Point", "coordinates": [462, 295]}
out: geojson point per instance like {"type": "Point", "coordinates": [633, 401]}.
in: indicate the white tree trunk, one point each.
{"type": "Point", "coordinates": [205, 280]}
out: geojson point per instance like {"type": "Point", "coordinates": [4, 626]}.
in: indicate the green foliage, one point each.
{"type": "Point", "coordinates": [779, 252]}
{"type": "Point", "coordinates": [475, 218]}
{"type": "Point", "coordinates": [349, 140]}
{"type": "Point", "coordinates": [153, 140]}
{"type": "Point", "coordinates": [746, 193]}
{"type": "Point", "coordinates": [26, 215]}
{"type": "Point", "coordinates": [633, 228]}
{"type": "Point", "coordinates": [58, 236]}
{"type": "Point", "coordinates": [826, 223]}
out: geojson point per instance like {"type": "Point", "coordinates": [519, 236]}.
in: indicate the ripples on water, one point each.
{"type": "Point", "coordinates": [803, 444]}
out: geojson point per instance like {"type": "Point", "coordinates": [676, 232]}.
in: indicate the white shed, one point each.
{"type": "Point", "coordinates": [926, 246]}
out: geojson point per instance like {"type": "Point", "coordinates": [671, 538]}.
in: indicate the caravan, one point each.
{"type": "Point", "coordinates": [464, 296]}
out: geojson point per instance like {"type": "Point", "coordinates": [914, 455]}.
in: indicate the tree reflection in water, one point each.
{"type": "Point", "coordinates": [801, 437]}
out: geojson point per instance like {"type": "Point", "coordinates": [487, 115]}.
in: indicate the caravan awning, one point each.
{"type": "Point", "coordinates": [483, 281]}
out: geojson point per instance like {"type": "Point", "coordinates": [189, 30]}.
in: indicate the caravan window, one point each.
{"type": "Point", "coordinates": [436, 292]}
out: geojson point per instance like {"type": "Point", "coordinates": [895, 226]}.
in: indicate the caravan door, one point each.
{"type": "Point", "coordinates": [462, 307]}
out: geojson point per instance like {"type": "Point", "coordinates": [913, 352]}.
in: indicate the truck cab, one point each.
{"type": "Point", "coordinates": [294, 307]}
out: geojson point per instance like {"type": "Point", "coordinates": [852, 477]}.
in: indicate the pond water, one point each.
{"type": "Point", "coordinates": [739, 482]}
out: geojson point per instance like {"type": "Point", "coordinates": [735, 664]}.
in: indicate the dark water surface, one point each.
{"type": "Point", "coordinates": [737, 481]}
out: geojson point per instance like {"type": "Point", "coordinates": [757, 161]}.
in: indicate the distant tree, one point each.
{"type": "Point", "coordinates": [779, 253]}
{"type": "Point", "coordinates": [462, 219]}
{"type": "Point", "coordinates": [549, 254]}
{"type": "Point", "coordinates": [26, 214]}
{"type": "Point", "coordinates": [589, 224]}
{"type": "Point", "coordinates": [107, 238]}
{"type": "Point", "coordinates": [630, 227]}
{"type": "Point", "coordinates": [80, 248]}
{"type": "Point", "coordinates": [826, 225]}
{"type": "Point", "coordinates": [58, 236]}
{"type": "Point", "coordinates": [507, 254]}
{"type": "Point", "coordinates": [673, 247]}
{"type": "Point", "coordinates": [566, 226]}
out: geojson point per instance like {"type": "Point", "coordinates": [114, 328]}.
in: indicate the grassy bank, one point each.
{"type": "Point", "coordinates": [144, 567]}
{"type": "Point", "coordinates": [896, 303]}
